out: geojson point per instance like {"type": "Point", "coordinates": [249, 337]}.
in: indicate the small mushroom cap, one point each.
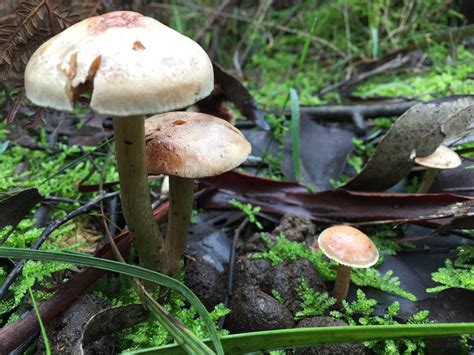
{"type": "Point", "coordinates": [193, 145]}
{"type": "Point", "coordinates": [348, 246]}
{"type": "Point", "coordinates": [442, 158]}
{"type": "Point", "coordinates": [132, 64]}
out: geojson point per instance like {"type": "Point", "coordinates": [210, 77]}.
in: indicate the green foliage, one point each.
{"type": "Point", "coordinates": [249, 210]}
{"type": "Point", "coordinates": [119, 292]}
{"type": "Point", "coordinates": [388, 283]}
{"type": "Point", "coordinates": [276, 295]}
{"type": "Point", "coordinates": [312, 303]}
{"type": "Point", "coordinates": [34, 272]}
{"type": "Point", "coordinates": [441, 80]}
{"type": "Point", "coordinates": [451, 276]}
{"type": "Point", "coordinates": [283, 249]}
{"type": "Point", "coordinates": [42, 166]}
{"type": "Point", "coordinates": [361, 312]}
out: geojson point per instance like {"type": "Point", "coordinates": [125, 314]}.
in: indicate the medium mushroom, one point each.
{"type": "Point", "coordinates": [350, 248]}
{"type": "Point", "coordinates": [188, 145]}
{"type": "Point", "coordinates": [442, 158]}
{"type": "Point", "coordinates": [131, 65]}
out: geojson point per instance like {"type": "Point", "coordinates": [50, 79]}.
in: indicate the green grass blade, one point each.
{"type": "Point", "coordinates": [295, 134]}
{"type": "Point", "coordinates": [47, 348]}
{"type": "Point", "coordinates": [307, 42]}
{"type": "Point", "coordinates": [290, 338]}
{"type": "Point", "coordinates": [125, 269]}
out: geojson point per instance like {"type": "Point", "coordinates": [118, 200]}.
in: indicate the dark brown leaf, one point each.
{"type": "Point", "coordinates": [277, 197]}
{"type": "Point", "coordinates": [14, 208]}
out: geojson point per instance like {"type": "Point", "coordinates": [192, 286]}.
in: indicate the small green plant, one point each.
{"type": "Point", "coordinates": [361, 311]}
{"type": "Point", "coordinates": [312, 303]}
{"type": "Point", "coordinates": [450, 276]}
{"type": "Point", "coordinates": [249, 210]}
{"type": "Point", "coordinates": [276, 295]}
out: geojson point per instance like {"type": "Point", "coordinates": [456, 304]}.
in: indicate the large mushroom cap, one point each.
{"type": "Point", "coordinates": [348, 246]}
{"type": "Point", "coordinates": [131, 63]}
{"type": "Point", "coordinates": [193, 145]}
{"type": "Point", "coordinates": [442, 158]}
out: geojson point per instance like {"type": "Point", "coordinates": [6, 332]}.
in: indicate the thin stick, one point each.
{"type": "Point", "coordinates": [230, 272]}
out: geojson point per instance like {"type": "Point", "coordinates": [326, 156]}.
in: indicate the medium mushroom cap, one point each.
{"type": "Point", "coordinates": [132, 64]}
{"type": "Point", "coordinates": [348, 246]}
{"type": "Point", "coordinates": [442, 158]}
{"type": "Point", "coordinates": [193, 145]}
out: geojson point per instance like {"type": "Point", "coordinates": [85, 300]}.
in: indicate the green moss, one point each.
{"type": "Point", "coordinates": [361, 311]}
{"type": "Point", "coordinates": [441, 80]}
{"type": "Point", "coordinates": [119, 291]}
{"type": "Point", "coordinates": [312, 303]}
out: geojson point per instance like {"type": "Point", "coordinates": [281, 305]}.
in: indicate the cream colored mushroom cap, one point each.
{"type": "Point", "coordinates": [193, 145]}
{"type": "Point", "coordinates": [133, 65]}
{"type": "Point", "coordinates": [348, 246]}
{"type": "Point", "coordinates": [442, 158]}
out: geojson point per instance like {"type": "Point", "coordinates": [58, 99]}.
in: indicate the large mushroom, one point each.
{"type": "Point", "coordinates": [131, 65]}
{"type": "Point", "coordinates": [351, 249]}
{"type": "Point", "coordinates": [188, 145]}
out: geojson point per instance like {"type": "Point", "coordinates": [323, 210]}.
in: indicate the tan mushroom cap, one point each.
{"type": "Point", "coordinates": [193, 145]}
{"type": "Point", "coordinates": [131, 63]}
{"type": "Point", "coordinates": [348, 246]}
{"type": "Point", "coordinates": [442, 158]}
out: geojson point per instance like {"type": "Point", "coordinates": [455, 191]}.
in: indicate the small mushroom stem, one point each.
{"type": "Point", "coordinates": [341, 287]}
{"type": "Point", "coordinates": [179, 219]}
{"type": "Point", "coordinates": [427, 181]}
{"type": "Point", "coordinates": [129, 135]}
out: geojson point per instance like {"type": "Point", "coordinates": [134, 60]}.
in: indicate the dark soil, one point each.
{"type": "Point", "coordinates": [65, 332]}
{"type": "Point", "coordinates": [286, 277]}
{"type": "Point", "coordinates": [254, 310]}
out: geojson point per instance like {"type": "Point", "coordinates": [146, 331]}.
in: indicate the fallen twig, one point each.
{"type": "Point", "coordinates": [356, 113]}
{"type": "Point", "coordinates": [230, 272]}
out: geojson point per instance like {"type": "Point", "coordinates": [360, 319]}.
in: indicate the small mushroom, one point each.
{"type": "Point", "coordinates": [131, 65]}
{"type": "Point", "coordinates": [442, 158]}
{"type": "Point", "coordinates": [188, 145]}
{"type": "Point", "coordinates": [350, 248]}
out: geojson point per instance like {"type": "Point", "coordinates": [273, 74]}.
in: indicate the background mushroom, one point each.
{"type": "Point", "coordinates": [350, 248]}
{"type": "Point", "coordinates": [188, 145]}
{"type": "Point", "coordinates": [132, 65]}
{"type": "Point", "coordinates": [442, 158]}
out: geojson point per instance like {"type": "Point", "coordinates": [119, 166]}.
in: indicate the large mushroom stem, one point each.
{"type": "Point", "coordinates": [130, 150]}
{"type": "Point", "coordinates": [427, 181]}
{"type": "Point", "coordinates": [179, 219]}
{"type": "Point", "coordinates": [341, 287]}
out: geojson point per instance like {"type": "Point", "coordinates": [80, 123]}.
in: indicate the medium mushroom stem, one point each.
{"type": "Point", "coordinates": [342, 283]}
{"type": "Point", "coordinates": [427, 181]}
{"type": "Point", "coordinates": [179, 219]}
{"type": "Point", "coordinates": [130, 150]}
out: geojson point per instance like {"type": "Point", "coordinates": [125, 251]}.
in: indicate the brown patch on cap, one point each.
{"type": "Point", "coordinates": [348, 246]}
{"type": "Point", "coordinates": [125, 19]}
{"type": "Point", "coordinates": [192, 145]}
{"type": "Point", "coordinates": [88, 85]}
{"type": "Point", "coordinates": [138, 46]}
